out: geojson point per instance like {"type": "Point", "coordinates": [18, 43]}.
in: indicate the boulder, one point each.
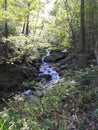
{"type": "Point", "coordinates": [30, 72]}
{"type": "Point", "coordinates": [45, 78]}
{"type": "Point", "coordinates": [32, 61]}
{"type": "Point", "coordinates": [55, 56]}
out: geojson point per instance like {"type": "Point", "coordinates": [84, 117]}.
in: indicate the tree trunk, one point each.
{"type": "Point", "coordinates": [93, 28]}
{"type": "Point", "coordinates": [83, 34]}
{"type": "Point", "coordinates": [6, 31]}
{"type": "Point", "coordinates": [96, 51]}
{"type": "Point", "coordinates": [27, 24]}
{"type": "Point", "coordinates": [23, 28]}
{"type": "Point", "coordinates": [75, 45]}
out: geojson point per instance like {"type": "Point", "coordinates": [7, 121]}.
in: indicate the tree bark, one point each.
{"type": "Point", "coordinates": [93, 26]}
{"type": "Point", "coordinates": [96, 51]}
{"type": "Point", "coordinates": [83, 34]}
{"type": "Point", "coordinates": [6, 31]}
{"type": "Point", "coordinates": [27, 24]}
{"type": "Point", "coordinates": [75, 45]}
{"type": "Point", "coordinates": [23, 28]}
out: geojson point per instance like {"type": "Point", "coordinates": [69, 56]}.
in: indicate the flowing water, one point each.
{"type": "Point", "coordinates": [46, 69]}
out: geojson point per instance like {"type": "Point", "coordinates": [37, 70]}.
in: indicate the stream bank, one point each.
{"type": "Point", "coordinates": [72, 103]}
{"type": "Point", "coordinates": [15, 78]}
{"type": "Point", "coordinates": [47, 76]}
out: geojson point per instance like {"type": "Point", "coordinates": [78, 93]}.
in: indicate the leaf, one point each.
{"type": "Point", "coordinates": [1, 122]}
{"type": "Point", "coordinates": [11, 113]}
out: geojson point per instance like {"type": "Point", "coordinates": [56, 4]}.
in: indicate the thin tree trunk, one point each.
{"type": "Point", "coordinates": [6, 31]}
{"type": "Point", "coordinates": [96, 51]}
{"type": "Point", "coordinates": [83, 34]}
{"type": "Point", "coordinates": [27, 24]}
{"type": "Point", "coordinates": [93, 28]}
{"type": "Point", "coordinates": [75, 45]}
{"type": "Point", "coordinates": [23, 28]}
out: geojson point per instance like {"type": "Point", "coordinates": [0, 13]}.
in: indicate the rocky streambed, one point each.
{"type": "Point", "coordinates": [45, 70]}
{"type": "Point", "coordinates": [47, 75]}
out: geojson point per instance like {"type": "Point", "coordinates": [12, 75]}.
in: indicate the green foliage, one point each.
{"type": "Point", "coordinates": [95, 112]}
{"type": "Point", "coordinates": [67, 97]}
{"type": "Point", "coordinates": [10, 121]}
{"type": "Point", "coordinates": [31, 84]}
{"type": "Point", "coordinates": [65, 43]}
{"type": "Point", "coordinates": [11, 29]}
{"type": "Point", "coordinates": [51, 111]}
{"type": "Point", "coordinates": [80, 124]}
{"type": "Point", "coordinates": [84, 76]}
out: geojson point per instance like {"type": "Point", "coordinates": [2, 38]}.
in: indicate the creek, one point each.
{"type": "Point", "coordinates": [45, 69]}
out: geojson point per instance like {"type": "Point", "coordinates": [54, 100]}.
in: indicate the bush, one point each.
{"type": "Point", "coordinates": [11, 29]}
{"type": "Point", "coordinates": [53, 111]}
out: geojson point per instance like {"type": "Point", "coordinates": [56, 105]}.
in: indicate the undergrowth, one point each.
{"type": "Point", "coordinates": [65, 106]}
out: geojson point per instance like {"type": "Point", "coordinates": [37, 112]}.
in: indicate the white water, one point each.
{"type": "Point", "coordinates": [45, 68]}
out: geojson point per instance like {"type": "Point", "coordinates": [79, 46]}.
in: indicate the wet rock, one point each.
{"type": "Point", "coordinates": [55, 56]}
{"type": "Point", "coordinates": [36, 61]}
{"type": "Point", "coordinates": [31, 61]}
{"type": "Point", "coordinates": [45, 77]}
{"type": "Point", "coordinates": [30, 72]}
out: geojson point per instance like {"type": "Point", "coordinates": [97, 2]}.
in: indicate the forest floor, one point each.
{"type": "Point", "coordinates": [81, 103]}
